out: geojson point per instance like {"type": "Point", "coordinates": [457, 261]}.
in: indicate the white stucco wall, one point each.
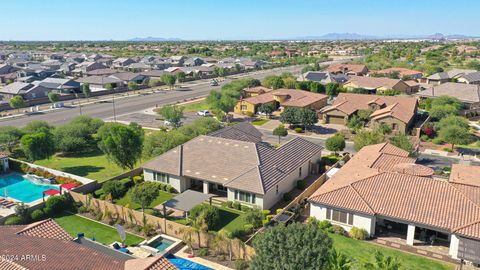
{"type": "Point", "coordinates": [177, 182]}
{"type": "Point", "coordinates": [258, 198]}
{"type": "Point", "coordinates": [453, 250]}
{"type": "Point", "coordinates": [359, 220]}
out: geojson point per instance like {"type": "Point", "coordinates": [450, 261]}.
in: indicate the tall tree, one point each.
{"type": "Point", "coordinates": [297, 246]}
{"type": "Point", "coordinates": [454, 135]}
{"type": "Point", "coordinates": [37, 145]}
{"type": "Point", "coordinates": [335, 143]}
{"type": "Point", "coordinates": [280, 131]}
{"type": "Point", "coordinates": [169, 80]}
{"type": "Point", "coordinates": [172, 114]}
{"type": "Point", "coordinates": [122, 144]}
{"type": "Point", "coordinates": [9, 137]}
{"type": "Point", "coordinates": [86, 91]}
{"type": "Point", "coordinates": [181, 76]}
{"type": "Point", "coordinates": [144, 194]}
{"type": "Point", "coordinates": [402, 141]}
{"type": "Point", "coordinates": [267, 109]}
{"type": "Point", "coordinates": [366, 137]}
{"type": "Point", "coordinates": [17, 102]}
{"type": "Point", "coordinates": [53, 97]}
{"type": "Point", "coordinates": [132, 86]}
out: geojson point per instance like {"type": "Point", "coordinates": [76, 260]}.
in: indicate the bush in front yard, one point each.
{"type": "Point", "coordinates": [358, 233]}
{"type": "Point", "coordinates": [237, 205]}
{"type": "Point", "coordinates": [137, 179]}
{"type": "Point", "coordinates": [209, 212]}
{"type": "Point", "coordinates": [116, 188]}
{"type": "Point", "coordinates": [55, 205]}
{"type": "Point", "coordinates": [203, 252]}
{"type": "Point", "coordinates": [230, 204]}
{"type": "Point", "coordinates": [324, 224]}
{"type": "Point", "coordinates": [254, 216]}
{"type": "Point", "coordinates": [287, 197]}
{"type": "Point", "coordinates": [337, 229]}
{"type": "Point", "coordinates": [298, 130]}
{"type": "Point", "coordinates": [37, 215]}
{"type": "Point", "coordinates": [301, 184]}
{"type": "Point", "coordinates": [15, 220]}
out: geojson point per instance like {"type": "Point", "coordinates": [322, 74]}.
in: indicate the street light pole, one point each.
{"type": "Point", "coordinates": [113, 101]}
{"type": "Point", "coordinates": [79, 104]}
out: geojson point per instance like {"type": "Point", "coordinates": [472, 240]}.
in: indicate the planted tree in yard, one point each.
{"type": "Point", "coordinates": [452, 120]}
{"type": "Point", "coordinates": [305, 246]}
{"type": "Point", "coordinates": [109, 86]}
{"type": "Point", "coordinates": [254, 216]}
{"type": "Point", "coordinates": [187, 236]}
{"type": "Point", "coordinates": [280, 131]}
{"type": "Point", "coordinates": [17, 102]}
{"type": "Point", "coordinates": [169, 80]}
{"type": "Point", "coordinates": [37, 145]}
{"type": "Point", "coordinates": [122, 144]}
{"type": "Point", "coordinates": [162, 141]}
{"type": "Point", "coordinates": [210, 215]}
{"type": "Point", "coordinates": [365, 137]}
{"type": "Point", "coordinates": [339, 261]}
{"type": "Point", "coordinates": [132, 86]}
{"type": "Point", "coordinates": [224, 101]}
{"type": "Point", "coordinates": [402, 141]}
{"type": "Point", "coordinates": [336, 143]}
{"type": "Point", "coordinates": [219, 71]}
{"type": "Point", "coordinates": [454, 135]}
{"type": "Point", "coordinates": [86, 91]}
{"type": "Point", "coordinates": [331, 89]}
{"type": "Point", "coordinates": [383, 262]}
{"type": "Point", "coordinates": [444, 106]}
{"type": "Point", "coordinates": [144, 194]}
{"type": "Point", "coordinates": [221, 241]}
{"type": "Point", "coordinates": [53, 97]}
{"type": "Point", "coordinates": [181, 76]}
{"type": "Point", "coordinates": [267, 109]}
{"type": "Point", "coordinates": [307, 117]}
{"type": "Point", "coordinates": [37, 126]}
{"type": "Point", "coordinates": [9, 137]}
{"type": "Point", "coordinates": [289, 116]}
{"type": "Point", "coordinates": [172, 114]}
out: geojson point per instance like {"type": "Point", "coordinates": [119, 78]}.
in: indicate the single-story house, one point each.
{"type": "Point", "coordinates": [377, 84]}
{"type": "Point", "coordinates": [402, 73]}
{"type": "Point", "coordinates": [234, 163]}
{"type": "Point", "coordinates": [323, 77]}
{"type": "Point", "coordinates": [282, 98]}
{"type": "Point", "coordinates": [127, 77]}
{"type": "Point", "coordinates": [85, 67]}
{"type": "Point", "coordinates": [382, 190]}
{"type": "Point", "coordinates": [471, 78]}
{"type": "Point", "coordinates": [348, 69]}
{"type": "Point", "coordinates": [398, 112]}
{"type": "Point", "coordinates": [448, 76]}
{"type": "Point", "coordinates": [123, 62]}
{"type": "Point", "coordinates": [102, 72]}
{"type": "Point", "coordinates": [468, 94]}
{"type": "Point", "coordinates": [59, 85]}
{"type": "Point", "coordinates": [255, 91]}
{"type": "Point", "coordinates": [154, 74]}
{"type": "Point", "coordinates": [99, 83]}
{"type": "Point", "coordinates": [27, 91]}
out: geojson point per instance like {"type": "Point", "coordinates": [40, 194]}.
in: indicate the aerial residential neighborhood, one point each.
{"type": "Point", "coordinates": [239, 135]}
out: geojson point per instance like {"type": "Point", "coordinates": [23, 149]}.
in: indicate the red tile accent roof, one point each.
{"type": "Point", "coordinates": [151, 263]}
{"type": "Point", "coordinates": [347, 68]}
{"type": "Point", "coordinates": [402, 71]}
{"type": "Point", "coordinates": [382, 180]}
{"type": "Point", "coordinates": [46, 229]}
{"type": "Point", "coordinates": [296, 98]}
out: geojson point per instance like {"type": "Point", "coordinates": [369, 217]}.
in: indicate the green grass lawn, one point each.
{"type": "Point", "coordinates": [259, 122]}
{"type": "Point", "coordinates": [104, 234]}
{"type": "Point", "coordinates": [93, 165]}
{"type": "Point", "coordinates": [362, 252]}
{"type": "Point", "coordinates": [162, 197]}
{"type": "Point", "coordinates": [196, 106]}
{"type": "Point", "coordinates": [230, 220]}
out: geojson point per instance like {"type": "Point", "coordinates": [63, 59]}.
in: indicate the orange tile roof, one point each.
{"type": "Point", "coordinates": [296, 98]}
{"type": "Point", "coordinates": [372, 183]}
{"type": "Point", "coordinates": [151, 263]}
{"type": "Point", "coordinates": [401, 71]}
{"type": "Point", "coordinates": [46, 229]}
{"type": "Point", "coordinates": [374, 82]}
{"type": "Point", "coordinates": [347, 67]}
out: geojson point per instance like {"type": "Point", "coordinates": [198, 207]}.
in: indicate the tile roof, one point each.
{"type": "Point", "coordinates": [295, 97]}
{"type": "Point", "coordinates": [450, 74]}
{"type": "Point", "coordinates": [151, 263]}
{"type": "Point", "coordinates": [10, 265]}
{"type": "Point", "coordinates": [347, 67]}
{"type": "Point", "coordinates": [472, 77]}
{"type": "Point", "coordinates": [253, 167]}
{"type": "Point", "coordinates": [363, 186]}
{"type": "Point", "coordinates": [46, 229]}
{"type": "Point", "coordinates": [243, 132]}
{"type": "Point", "coordinates": [258, 89]}
{"type": "Point", "coordinates": [374, 82]}
{"type": "Point", "coordinates": [400, 107]}
{"type": "Point", "coordinates": [125, 76]}
{"type": "Point", "coordinates": [402, 71]}
{"type": "Point", "coordinates": [464, 92]}
{"type": "Point", "coordinates": [98, 80]}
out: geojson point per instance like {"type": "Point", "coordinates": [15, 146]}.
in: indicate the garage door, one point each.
{"type": "Point", "coordinates": [335, 120]}
{"type": "Point", "coordinates": [469, 250]}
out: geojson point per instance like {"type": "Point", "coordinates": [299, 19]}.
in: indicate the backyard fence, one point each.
{"type": "Point", "coordinates": [164, 225]}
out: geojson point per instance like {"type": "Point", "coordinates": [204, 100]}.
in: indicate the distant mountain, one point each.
{"type": "Point", "coordinates": [339, 36]}
{"type": "Point", "coordinates": [153, 39]}
{"type": "Point", "coordinates": [355, 36]}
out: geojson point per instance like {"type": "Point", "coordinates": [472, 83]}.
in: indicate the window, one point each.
{"type": "Point", "coordinates": [300, 172]}
{"type": "Point", "coordinates": [394, 126]}
{"type": "Point", "coordinates": [162, 177]}
{"type": "Point", "coordinates": [243, 107]}
{"type": "Point", "coordinates": [276, 189]}
{"type": "Point", "coordinates": [340, 216]}
{"type": "Point", "coordinates": [245, 196]}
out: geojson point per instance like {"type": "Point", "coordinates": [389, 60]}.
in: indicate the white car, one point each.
{"type": "Point", "coordinates": [204, 113]}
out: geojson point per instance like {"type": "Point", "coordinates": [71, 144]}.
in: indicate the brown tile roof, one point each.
{"type": "Point", "coordinates": [374, 82]}
{"type": "Point", "coordinates": [151, 263]}
{"type": "Point", "coordinates": [348, 68]}
{"type": "Point", "coordinates": [400, 107]}
{"type": "Point", "coordinates": [388, 192]}
{"type": "Point", "coordinates": [469, 93]}
{"type": "Point", "coordinates": [465, 174]}
{"type": "Point", "coordinates": [10, 265]}
{"type": "Point", "coordinates": [401, 71]}
{"type": "Point", "coordinates": [243, 132]}
{"type": "Point", "coordinates": [296, 98]}
{"type": "Point", "coordinates": [253, 167]}
{"type": "Point", "coordinates": [46, 229]}
{"type": "Point", "coordinates": [258, 89]}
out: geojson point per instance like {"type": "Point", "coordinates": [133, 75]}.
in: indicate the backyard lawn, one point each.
{"type": "Point", "coordinates": [363, 252]}
{"type": "Point", "coordinates": [104, 234]}
{"type": "Point", "coordinates": [162, 197]}
{"type": "Point", "coordinates": [230, 220]}
{"type": "Point", "coordinates": [259, 122]}
{"type": "Point", "coordinates": [93, 165]}
{"type": "Point", "coordinates": [196, 106]}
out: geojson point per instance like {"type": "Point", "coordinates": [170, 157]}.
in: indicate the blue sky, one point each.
{"type": "Point", "coordinates": [232, 19]}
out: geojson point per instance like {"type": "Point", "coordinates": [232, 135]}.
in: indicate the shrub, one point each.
{"type": "Point", "coordinates": [358, 233]}
{"type": "Point", "coordinates": [337, 229]}
{"type": "Point", "coordinates": [279, 210]}
{"type": "Point", "coordinates": [21, 210]}
{"type": "Point", "coordinates": [447, 149]}
{"type": "Point", "coordinates": [230, 204]}
{"type": "Point", "coordinates": [15, 220]}
{"type": "Point", "coordinates": [170, 189]}
{"type": "Point", "coordinates": [99, 216]}
{"type": "Point", "coordinates": [287, 197]}
{"type": "Point", "coordinates": [203, 252]}
{"type": "Point", "coordinates": [438, 141]}
{"type": "Point", "coordinates": [82, 209]}
{"type": "Point", "coordinates": [301, 184]}
{"type": "Point", "coordinates": [56, 204]}
{"type": "Point", "coordinates": [137, 179]}
{"type": "Point", "coordinates": [265, 222]}
{"type": "Point", "coordinates": [298, 130]}
{"type": "Point", "coordinates": [237, 233]}
{"type": "Point", "coordinates": [254, 217]}
{"type": "Point", "coordinates": [266, 212]}
{"type": "Point", "coordinates": [245, 208]}
{"type": "Point", "coordinates": [210, 213]}
{"type": "Point", "coordinates": [237, 205]}
{"type": "Point", "coordinates": [116, 188]}
{"type": "Point", "coordinates": [37, 215]}
{"type": "Point", "coordinates": [324, 225]}
{"type": "Point", "coordinates": [241, 265]}
{"type": "Point", "coordinates": [221, 257]}
{"type": "Point", "coordinates": [269, 217]}
{"type": "Point", "coordinates": [248, 228]}
{"type": "Point", "coordinates": [424, 137]}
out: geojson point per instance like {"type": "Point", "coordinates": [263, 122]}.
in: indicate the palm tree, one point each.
{"type": "Point", "coordinates": [187, 236]}
{"type": "Point", "coordinates": [383, 262]}
{"type": "Point", "coordinates": [200, 226]}
{"type": "Point", "coordinates": [339, 261]}
{"type": "Point", "coordinates": [240, 246]}
{"type": "Point", "coordinates": [222, 240]}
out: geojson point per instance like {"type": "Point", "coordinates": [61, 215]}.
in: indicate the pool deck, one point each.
{"type": "Point", "coordinates": [184, 255]}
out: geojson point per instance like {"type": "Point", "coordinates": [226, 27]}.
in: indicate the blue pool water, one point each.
{"type": "Point", "coordinates": [20, 188]}
{"type": "Point", "coordinates": [161, 244]}
{"type": "Point", "coordinates": [184, 264]}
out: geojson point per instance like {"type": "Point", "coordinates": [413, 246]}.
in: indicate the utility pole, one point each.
{"type": "Point", "coordinates": [113, 101]}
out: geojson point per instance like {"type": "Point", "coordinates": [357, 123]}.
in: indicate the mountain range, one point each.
{"type": "Point", "coordinates": [153, 39]}
{"type": "Point", "coordinates": [355, 36]}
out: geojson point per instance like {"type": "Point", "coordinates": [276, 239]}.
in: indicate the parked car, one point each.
{"type": "Point", "coordinates": [204, 113]}
{"type": "Point", "coordinates": [213, 83]}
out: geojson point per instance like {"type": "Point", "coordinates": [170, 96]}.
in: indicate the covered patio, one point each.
{"type": "Point", "coordinates": [184, 202]}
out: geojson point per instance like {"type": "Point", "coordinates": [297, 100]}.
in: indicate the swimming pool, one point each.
{"type": "Point", "coordinates": [161, 244]}
{"type": "Point", "coordinates": [184, 264]}
{"type": "Point", "coordinates": [20, 188]}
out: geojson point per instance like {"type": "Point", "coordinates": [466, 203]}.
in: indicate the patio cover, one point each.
{"type": "Point", "coordinates": [67, 186]}
{"type": "Point", "coordinates": [50, 192]}
{"type": "Point", "coordinates": [185, 201]}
